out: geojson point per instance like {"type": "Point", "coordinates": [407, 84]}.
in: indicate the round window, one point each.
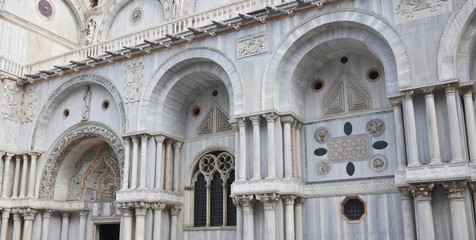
{"type": "Point", "coordinates": [317, 85]}
{"type": "Point", "coordinates": [196, 111]}
{"type": "Point", "coordinates": [105, 105]}
{"type": "Point", "coordinates": [373, 74]}
{"type": "Point", "coordinates": [66, 113]}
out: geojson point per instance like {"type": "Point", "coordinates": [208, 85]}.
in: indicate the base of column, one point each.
{"type": "Point", "coordinates": [434, 162]}
{"type": "Point", "coordinates": [256, 178]}
{"type": "Point", "coordinates": [458, 160]}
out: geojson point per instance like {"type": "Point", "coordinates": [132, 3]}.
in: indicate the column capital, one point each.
{"type": "Point", "coordinates": [255, 119]}
{"type": "Point", "coordinates": [450, 88]}
{"type": "Point", "coordinates": [300, 201]}
{"type": "Point", "coordinates": [242, 122]}
{"type": "Point", "coordinates": [407, 95]}
{"type": "Point", "coordinates": [35, 154]}
{"type": "Point", "coordinates": [10, 155]}
{"type": "Point", "coordinates": [177, 145]}
{"type": "Point", "coordinates": [396, 101]}
{"type": "Point", "coordinates": [159, 138]}
{"type": "Point", "coordinates": [467, 90]}
{"type": "Point", "coordinates": [169, 141]}
{"type": "Point", "coordinates": [174, 209]}
{"type": "Point", "coordinates": [158, 206]}
{"type": "Point", "coordinates": [6, 213]}
{"type": "Point", "coordinates": [270, 117]}
{"type": "Point", "coordinates": [455, 189]}
{"type": "Point", "coordinates": [287, 119]}
{"type": "Point", "coordinates": [428, 90]}
{"type": "Point", "coordinates": [46, 213]}
{"type": "Point", "coordinates": [125, 208]}
{"type": "Point", "coordinates": [422, 192]}
{"type": "Point", "coordinates": [29, 213]}
{"type": "Point", "coordinates": [135, 139]}
{"type": "Point", "coordinates": [405, 193]}
{"type": "Point", "coordinates": [289, 199]}
{"type": "Point", "coordinates": [18, 158]}
{"type": "Point", "coordinates": [144, 137]}
{"type": "Point", "coordinates": [16, 215]}
{"type": "Point", "coordinates": [246, 201]}
{"type": "Point", "coordinates": [141, 208]}
{"type": "Point", "coordinates": [83, 213]}
{"type": "Point", "coordinates": [25, 156]}
{"type": "Point", "coordinates": [269, 200]}
{"type": "Point", "coordinates": [65, 214]}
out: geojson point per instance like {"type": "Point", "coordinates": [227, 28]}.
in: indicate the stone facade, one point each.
{"type": "Point", "coordinates": [255, 119]}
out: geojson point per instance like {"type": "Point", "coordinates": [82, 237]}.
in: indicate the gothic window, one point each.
{"type": "Point", "coordinates": [213, 176]}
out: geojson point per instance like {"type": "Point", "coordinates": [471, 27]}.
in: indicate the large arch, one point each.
{"type": "Point", "coordinates": [377, 33]}
{"type": "Point", "coordinates": [176, 68]}
{"type": "Point", "coordinates": [456, 41]}
{"type": "Point", "coordinates": [62, 91]}
{"type": "Point", "coordinates": [69, 140]}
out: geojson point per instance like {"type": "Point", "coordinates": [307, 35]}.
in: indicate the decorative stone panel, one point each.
{"type": "Point", "coordinates": [252, 46]}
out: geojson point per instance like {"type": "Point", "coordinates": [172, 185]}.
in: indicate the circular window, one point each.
{"type": "Point", "coordinates": [196, 111]}
{"type": "Point", "coordinates": [353, 209]}
{"type": "Point", "coordinates": [214, 93]}
{"type": "Point", "coordinates": [317, 85]}
{"type": "Point", "coordinates": [373, 74]}
{"type": "Point", "coordinates": [66, 113]}
{"type": "Point", "coordinates": [45, 8]}
{"type": "Point", "coordinates": [105, 105]}
{"type": "Point", "coordinates": [344, 60]}
{"type": "Point", "coordinates": [136, 16]}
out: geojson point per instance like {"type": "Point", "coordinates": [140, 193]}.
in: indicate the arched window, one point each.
{"type": "Point", "coordinates": [212, 181]}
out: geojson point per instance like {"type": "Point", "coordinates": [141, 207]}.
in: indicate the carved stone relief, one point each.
{"type": "Point", "coordinates": [350, 148]}
{"type": "Point", "coordinates": [86, 108]}
{"type": "Point", "coordinates": [134, 76]}
{"type": "Point", "coordinates": [90, 29]}
{"type": "Point", "coordinates": [378, 163]}
{"type": "Point", "coordinates": [324, 168]}
{"type": "Point", "coordinates": [252, 46]}
{"type": "Point", "coordinates": [29, 105]}
{"type": "Point", "coordinates": [321, 135]}
{"type": "Point", "coordinates": [376, 127]}
{"type": "Point", "coordinates": [414, 9]}
{"type": "Point", "coordinates": [12, 103]}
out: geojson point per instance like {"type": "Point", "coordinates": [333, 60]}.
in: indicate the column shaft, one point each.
{"type": "Point", "coordinates": [159, 163]}
{"type": "Point", "coordinates": [141, 211]}
{"type": "Point", "coordinates": [239, 222]}
{"type": "Point", "coordinates": [399, 132]}
{"type": "Point", "coordinates": [158, 208]}
{"type": "Point", "coordinates": [408, 216]}
{"type": "Point", "coordinates": [31, 184]}
{"type": "Point", "coordinates": [16, 226]}
{"type": "Point", "coordinates": [4, 230]}
{"type": "Point", "coordinates": [255, 120]}
{"type": "Point", "coordinates": [24, 176]}
{"type": "Point", "coordinates": [298, 151]}
{"type": "Point", "coordinates": [135, 151]}
{"type": "Point", "coordinates": [289, 217]}
{"type": "Point", "coordinates": [125, 178]}
{"type": "Point", "coordinates": [6, 176]}
{"type": "Point", "coordinates": [177, 146]}
{"type": "Point", "coordinates": [470, 121]}
{"type": "Point", "coordinates": [16, 177]}
{"type": "Point", "coordinates": [28, 216]}
{"type": "Point", "coordinates": [46, 224]}
{"type": "Point", "coordinates": [126, 223]}
{"type": "Point", "coordinates": [422, 194]}
{"type": "Point", "coordinates": [271, 145]}
{"type": "Point", "coordinates": [237, 148]}
{"type": "Point", "coordinates": [288, 157]}
{"type": "Point", "coordinates": [298, 218]}
{"type": "Point", "coordinates": [174, 211]}
{"type": "Point", "coordinates": [269, 203]}
{"type": "Point", "coordinates": [143, 160]}
{"type": "Point", "coordinates": [248, 223]}
{"type": "Point", "coordinates": [64, 225]}
{"type": "Point", "coordinates": [435, 156]}
{"type": "Point", "coordinates": [412, 144]}
{"type": "Point", "coordinates": [242, 160]}
{"type": "Point", "coordinates": [453, 124]}
{"type": "Point", "coordinates": [456, 192]}
{"type": "Point", "coordinates": [82, 225]}
{"type": "Point", "coordinates": [168, 165]}
{"type": "Point", "coordinates": [2, 164]}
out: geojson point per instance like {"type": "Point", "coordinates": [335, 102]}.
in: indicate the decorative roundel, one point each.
{"type": "Point", "coordinates": [317, 85]}
{"type": "Point", "coordinates": [196, 111]}
{"type": "Point", "coordinates": [321, 135]}
{"type": "Point", "coordinates": [323, 168]}
{"type": "Point", "coordinates": [136, 15]}
{"type": "Point", "coordinates": [45, 8]}
{"type": "Point", "coordinates": [376, 127]}
{"type": "Point", "coordinates": [378, 163]}
{"type": "Point", "coordinates": [373, 74]}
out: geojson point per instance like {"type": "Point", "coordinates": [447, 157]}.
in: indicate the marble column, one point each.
{"type": "Point", "coordinates": [422, 194]}
{"type": "Point", "coordinates": [298, 150]}
{"type": "Point", "coordinates": [269, 203]}
{"type": "Point", "coordinates": [143, 159]}
{"type": "Point", "coordinates": [28, 216]}
{"type": "Point", "coordinates": [83, 217]}
{"type": "Point", "coordinates": [168, 165]}
{"type": "Point", "coordinates": [237, 147]}
{"type": "Point", "coordinates": [298, 217]}
{"type": "Point", "coordinates": [239, 219]}
{"type": "Point", "coordinates": [2, 162]}
{"type": "Point", "coordinates": [432, 127]}
{"type": "Point", "coordinates": [470, 121]}
{"type": "Point", "coordinates": [408, 213]}
{"type": "Point", "coordinates": [399, 132]}
{"type": "Point", "coordinates": [159, 164]}
{"type": "Point", "coordinates": [455, 191]}
{"type": "Point", "coordinates": [24, 177]}
{"type": "Point", "coordinates": [64, 225]}
{"type": "Point", "coordinates": [5, 217]}
{"type": "Point", "coordinates": [31, 184]}
{"type": "Point", "coordinates": [177, 146]}
{"type": "Point", "coordinates": [247, 202]}
{"type": "Point", "coordinates": [46, 215]}
{"type": "Point", "coordinates": [288, 165]}
{"type": "Point", "coordinates": [126, 221]}
{"type": "Point", "coordinates": [16, 177]}
{"type": "Point", "coordinates": [6, 176]}
{"type": "Point", "coordinates": [453, 124]}
{"type": "Point", "coordinates": [174, 211]}
{"type": "Point", "coordinates": [135, 151]}
{"type": "Point", "coordinates": [242, 160]}
{"type": "Point", "coordinates": [158, 208]}
{"type": "Point", "coordinates": [16, 225]}
{"type": "Point", "coordinates": [255, 121]}
{"type": "Point", "coordinates": [270, 118]}
{"type": "Point", "coordinates": [293, 148]}
{"type": "Point", "coordinates": [141, 212]}
{"type": "Point", "coordinates": [125, 178]}
{"type": "Point", "coordinates": [412, 143]}
{"type": "Point", "coordinates": [289, 217]}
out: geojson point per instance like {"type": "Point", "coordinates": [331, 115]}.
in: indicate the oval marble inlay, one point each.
{"type": "Point", "coordinates": [380, 145]}
{"type": "Point", "coordinates": [320, 152]}
{"type": "Point", "coordinates": [350, 168]}
{"type": "Point", "coordinates": [347, 128]}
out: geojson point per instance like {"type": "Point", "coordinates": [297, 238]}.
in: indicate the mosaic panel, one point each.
{"type": "Point", "coordinates": [350, 148]}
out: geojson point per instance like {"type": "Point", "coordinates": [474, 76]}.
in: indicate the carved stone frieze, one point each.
{"type": "Point", "coordinates": [252, 46]}
{"type": "Point", "coordinates": [422, 192]}
{"type": "Point", "coordinates": [455, 189]}
{"type": "Point", "coordinates": [66, 144]}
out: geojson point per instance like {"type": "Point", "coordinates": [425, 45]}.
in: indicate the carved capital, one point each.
{"type": "Point", "coordinates": [289, 199]}
{"type": "Point", "coordinates": [247, 202]}
{"type": "Point", "coordinates": [125, 208]}
{"type": "Point", "coordinates": [46, 213]}
{"type": "Point", "coordinates": [270, 117]}
{"type": "Point", "coordinates": [175, 209]}
{"type": "Point", "coordinates": [144, 137]}
{"type": "Point", "coordinates": [287, 119]}
{"type": "Point", "coordinates": [300, 201]}
{"type": "Point", "coordinates": [126, 140]}
{"type": "Point", "coordinates": [255, 119]}
{"type": "Point", "coordinates": [29, 214]}
{"type": "Point", "coordinates": [405, 193]}
{"type": "Point", "coordinates": [467, 90]}
{"type": "Point", "coordinates": [65, 214]}
{"type": "Point", "coordinates": [5, 213]}
{"type": "Point", "coordinates": [455, 189]}
{"type": "Point", "coordinates": [450, 88]}
{"type": "Point", "coordinates": [18, 158]}
{"type": "Point", "coordinates": [141, 208]}
{"type": "Point", "coordinates": [16, 215]}
{"type": "Point", "coordinates": [34, 155]}
{"type": "Point", "coordinates": [396, 102]}
{"type": "Point", "coordinates": [159, 139]}
{"type": "Point", "coordinates": [177, 145]}
{"type": "Point", "coordinates": [269, 200]}
{"type": "Point", "coordinates": [83, 214]}
{"type": "Point", "coordinates": [25, 157]}
{"type": "Point", "coordinates": [242, 122]}
{"type": "Point", "coordinates": [135, 139]}
{"type": "Point", "coordinates": [158, 206]}
{"type": "Point", "coordinates": [428, 90]}
{"type": "Point", "coordinates": [9, 156]}
{"type": "Point", "coordinates": [422, 192]}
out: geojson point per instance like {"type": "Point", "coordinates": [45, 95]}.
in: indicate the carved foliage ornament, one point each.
{"type": "Point", "coordinates": [66, 144]}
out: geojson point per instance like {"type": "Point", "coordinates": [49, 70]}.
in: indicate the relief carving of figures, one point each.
{"type": "Point", "coordinates": [133, 82]}
{"type": "Point", "coordinates": [174, 7]}
{"type": "Point", "coordinates": [29, 106]}
{"type": "Point", "coordinates": [90, 31]}
{"type": "Point", "coordinates": [85, 110]}
{"type": "Point", "coordinates": [12, 105]}
{"type": "Point", "coordinates": [252, 46]}
{"type": "Point", "coordinates": [407, 8]}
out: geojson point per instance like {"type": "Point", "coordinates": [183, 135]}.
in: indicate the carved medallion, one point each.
{"type": "Point", "coordinates": [323, 168]}
{"type": "Point", "coordinates": [376, 127]}
{"type": "Point", "coordinates": [321, 135]}
{"type": "Point", "coordinates": [378, 163]}
{"type": "Point", "coordinates": [136, 16]}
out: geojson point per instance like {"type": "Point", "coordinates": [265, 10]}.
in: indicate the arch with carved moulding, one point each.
{"type": "Point", "coordinates": [178, 67]}
{"type": "Point", "coordinates": [378, 34]}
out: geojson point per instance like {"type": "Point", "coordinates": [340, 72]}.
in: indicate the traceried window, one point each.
{"type": "Point", "coordinates": [212, 181]}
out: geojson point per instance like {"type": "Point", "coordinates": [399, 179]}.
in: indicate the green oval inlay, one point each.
{"type": "Point", "coordinates": [380, 145]}
{"type": "Point", "coordinates": [350, 168]}
{"type": "Point", "coordinates": [347, 128]}
{"type": "Point", "coordinates": [320, 152]}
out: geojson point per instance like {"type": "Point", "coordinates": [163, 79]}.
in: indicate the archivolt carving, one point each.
{"type": "Point", "coordinates": [66, 144]}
